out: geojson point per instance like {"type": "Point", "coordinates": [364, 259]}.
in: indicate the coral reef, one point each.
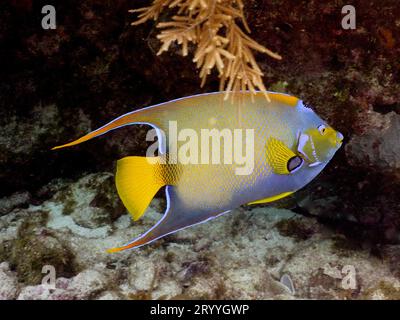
{"type": "Point", "coordinates": [242, 255]}
{"type": "Point", "coordinates": [220, 42]}
{"type": "Point", "coordinates": [378, 147]}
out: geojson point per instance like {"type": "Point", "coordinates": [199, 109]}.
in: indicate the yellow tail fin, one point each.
{"type": "Point", "coordinates": [138, 179]}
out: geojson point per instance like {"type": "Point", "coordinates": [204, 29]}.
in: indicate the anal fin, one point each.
{"type": "Point", "coordinates": [271, 199]}
{"type": "Point", "coordinates": [174, 219]}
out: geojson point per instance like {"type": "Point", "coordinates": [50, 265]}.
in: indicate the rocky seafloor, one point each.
{"type": "Point", "coordinates": [242, 255]}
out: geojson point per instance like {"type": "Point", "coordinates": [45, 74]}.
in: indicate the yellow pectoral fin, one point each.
{"type": "Point", "coordinates": [271, 199]}
{"type": "Point", "coordinates": [278, 156]}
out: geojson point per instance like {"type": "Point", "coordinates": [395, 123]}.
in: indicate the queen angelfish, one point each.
{"type": "Point", "coordinates": [290, 145]}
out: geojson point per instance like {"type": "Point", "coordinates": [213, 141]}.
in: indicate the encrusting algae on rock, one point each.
{"type": "Point", "coordinates": [34, 247]}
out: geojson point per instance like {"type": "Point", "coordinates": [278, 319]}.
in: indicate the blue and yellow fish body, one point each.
{"type": "Point", "coordinates": [285, 142]}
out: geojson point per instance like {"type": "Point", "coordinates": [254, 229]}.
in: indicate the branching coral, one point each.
{"type": "Point", "coordinates": [214, 27]}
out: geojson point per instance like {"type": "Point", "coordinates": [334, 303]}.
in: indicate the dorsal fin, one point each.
{"type": "Point", "coordinates": [283, 98]}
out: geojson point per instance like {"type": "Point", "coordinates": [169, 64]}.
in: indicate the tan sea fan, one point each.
{"type": "Point", "coordinates": [213, 27]}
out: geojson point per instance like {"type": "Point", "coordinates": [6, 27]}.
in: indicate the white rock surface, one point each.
{"type": "Point", "coordinates": [241, 255]}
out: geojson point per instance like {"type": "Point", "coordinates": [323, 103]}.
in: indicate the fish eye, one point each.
{"type": "Point", "coordinates": [322, 129]}
{"type": "Point", "coordinates": [294, 163]}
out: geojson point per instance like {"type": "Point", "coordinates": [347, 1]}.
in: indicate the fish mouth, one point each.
{"type": "Point", "coordinates": [339, 139]}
